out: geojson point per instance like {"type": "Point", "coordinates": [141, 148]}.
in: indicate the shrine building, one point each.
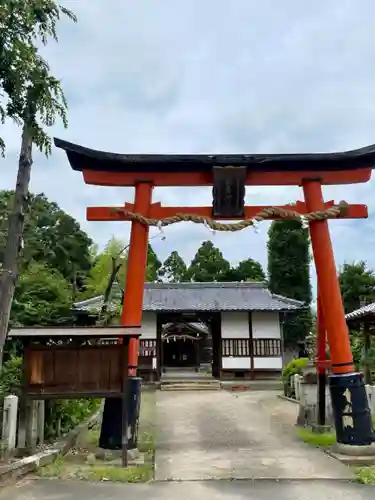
{"type": "Point", "coordinates": [233, 329]}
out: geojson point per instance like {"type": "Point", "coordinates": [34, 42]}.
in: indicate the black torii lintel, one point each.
{"type": "Point", "coordinates": [82, 158]}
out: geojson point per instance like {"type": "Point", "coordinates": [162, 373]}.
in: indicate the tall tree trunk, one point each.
{"type": "Point", "coordinates": [108, 290]}
{"type": "Point", "coordinates": [107, 293]}
{"type": "Point", "coordinates": [13, 245]}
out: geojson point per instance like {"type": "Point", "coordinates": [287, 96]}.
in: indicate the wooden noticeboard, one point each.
{"type": "Point", "coordinates": [75, 371]}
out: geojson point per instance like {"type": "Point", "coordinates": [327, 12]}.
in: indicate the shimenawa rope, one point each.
{"type": "Point", "coordinates": [265, 214]}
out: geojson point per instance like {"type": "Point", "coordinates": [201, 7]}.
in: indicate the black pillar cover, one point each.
{"type": "Point", "coordinates": [111, 430]}
{"type": "Point", "coordinates": [351, 410]}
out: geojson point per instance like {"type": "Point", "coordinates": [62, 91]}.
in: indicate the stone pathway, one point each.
{"type": "Point", "coordinates": [195, 490]}
{"type": "Point", "coordinates": [207, 437]}
{"type": "Point", "coordinates": [229, 435]}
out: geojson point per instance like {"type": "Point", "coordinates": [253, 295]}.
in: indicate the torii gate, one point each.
{"type": "Point", "coordinates": [229, 175]}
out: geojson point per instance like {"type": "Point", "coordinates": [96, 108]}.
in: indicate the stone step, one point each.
{"type": "Point", "coordinates": [191, 386]}
{"type": "Point", "coordinates": [202, 380]}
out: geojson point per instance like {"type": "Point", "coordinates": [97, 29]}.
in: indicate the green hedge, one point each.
{"type": "Point", "coordinates": [61, 416]}
{"type": "Point", "coordinates": [292, 368]}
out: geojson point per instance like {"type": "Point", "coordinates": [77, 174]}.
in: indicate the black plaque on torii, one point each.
{"type": "Point", "coordinates": [228, 191]}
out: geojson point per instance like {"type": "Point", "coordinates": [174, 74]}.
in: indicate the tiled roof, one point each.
{"type": "Point", "coordinates": [187, 297]}
{"type": "Point", "coordinates": [360, 313]}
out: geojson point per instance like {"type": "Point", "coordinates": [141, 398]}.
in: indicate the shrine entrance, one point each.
{"type": "Point", "coordinates": [181, 345]}
{"type": "Point", "coordinates": [189, 341]}
{"type": "Point", "coordinates": [180, 351]}
{"type": "Point", "coordinates": [228, 175]}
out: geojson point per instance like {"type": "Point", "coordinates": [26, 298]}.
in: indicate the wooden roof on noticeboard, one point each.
{"type": "Point", "coordinates": [83, 158]}
{"type": "Point", "coordinates": [69, 332]}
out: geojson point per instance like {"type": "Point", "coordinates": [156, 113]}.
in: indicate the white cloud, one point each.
{"type": "Point", "coordinates": [213, 76]}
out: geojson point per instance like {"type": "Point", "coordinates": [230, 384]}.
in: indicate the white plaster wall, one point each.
{"type": "Point", "coordinates": [148, 325]}
{"type": "Point", "coordinates": [235, 363]}
{"type": "Point", "coordinates": [268, 363]}
{"type": "Point", "coordinates": [265, 325]}
{"type": "Point", "coordinates": [234, 325]}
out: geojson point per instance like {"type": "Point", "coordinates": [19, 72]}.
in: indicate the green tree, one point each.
{"type": "Point", "coordinates": [42, 297]}
{"type": "Point", "coordinates": [174, 269]}
{"type": "Point", "coordinates": [357, 283]}
{"type": "Point", "coordinates": [246, 270]}
{"type": "Point", "coordinates": [289, 273]}
{"type": "Point", "coordinates": [208, 264]}
{"type": "Point", "coordinates": [33, 99]}
{"type": "Point", "coordinates": [153, 265]}
{"type": "Point", "coordinates": [109, 266]}
{"type": "Point", "coordinates": [50, 235]}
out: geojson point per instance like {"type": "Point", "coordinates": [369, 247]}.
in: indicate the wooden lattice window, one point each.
{"type": "Point", "coordinates": [235, 347]}
{"type": "Point", "coordinates": [147, 348]}
{"type": "Point", "coordinates": [267, 348]}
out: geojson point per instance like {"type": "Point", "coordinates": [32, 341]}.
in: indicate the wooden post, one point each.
{"type": "Point", "coordinates": [9, 425]}
{"type": "Point", "coordinates": [321, 370]}
{"type": "Point", "coordinates": [197, 346]}
{"type": "Point", "coordinates": [124, 406]}
{"type": "Point", "coordinates": [366, 335]}
{"type": "Point", "coordinates": [22, 422]}
{"type": "Point", "coordinates": [41, 421]}
{"type": "Point", "coordinates": [136, 270]}
{"type": "Point", "coordinates": [367, 347]}
{"type": "Point", "coordinates": [32, 425]}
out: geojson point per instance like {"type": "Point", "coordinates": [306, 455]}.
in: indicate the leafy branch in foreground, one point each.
{"type": "Point", "coordinates": [32, 98]}
{"type": "Point", "coordinates": [29, 94]}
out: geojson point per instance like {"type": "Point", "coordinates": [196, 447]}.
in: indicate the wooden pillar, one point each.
{"type": "Point", "coordinates": [136, 270]}
{"type": "Point", "coordinates": [328, 284]}
{"type": "Point", "coordinates": [197, 348]}
{"type": "Point", "coordinates": [251, 347]}
{"type": "Point", "coordinates": [320, 359]}
{"type": "Point", "coordinates": [367, 347]}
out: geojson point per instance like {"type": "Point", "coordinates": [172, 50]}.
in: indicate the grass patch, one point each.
{"type": "Point", "coordinates": [365, 475]}
{"type": "Point", "coordinates": [139, 474]}
{"type": "Point", "coordinates": [325, 440]}
{"type": "Point", "coordinates": [82, 463]}
{"type": "Point", "coordinates": [54, 469]}
{"type": "Point", "coordinates": [62, 469]}
{"type": "Point", "coordinates": [147, 443]}
{"type": "Point", "coordinates": [93, 435]}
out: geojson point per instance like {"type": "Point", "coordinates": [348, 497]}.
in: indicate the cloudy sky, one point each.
{"type": "Point", "coordinates": [212, 76]}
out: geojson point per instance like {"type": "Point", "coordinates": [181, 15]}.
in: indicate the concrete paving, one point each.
{"type": "Point", "coordinates": [229, 435]}
{"type": "Point", "coordinates": [207, 438]}
{"type": "Point", "coordinates": [210, 490]}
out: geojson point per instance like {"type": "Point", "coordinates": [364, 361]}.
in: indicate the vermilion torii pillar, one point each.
{"type": "Point", "coordinates": [229, 174]}
{"type": "Point", "coordinates": [136, 269]}
{"type": "Point", "coordinates": [344, 381]}
{"type": "Point", "coordinates": [329, 288]}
